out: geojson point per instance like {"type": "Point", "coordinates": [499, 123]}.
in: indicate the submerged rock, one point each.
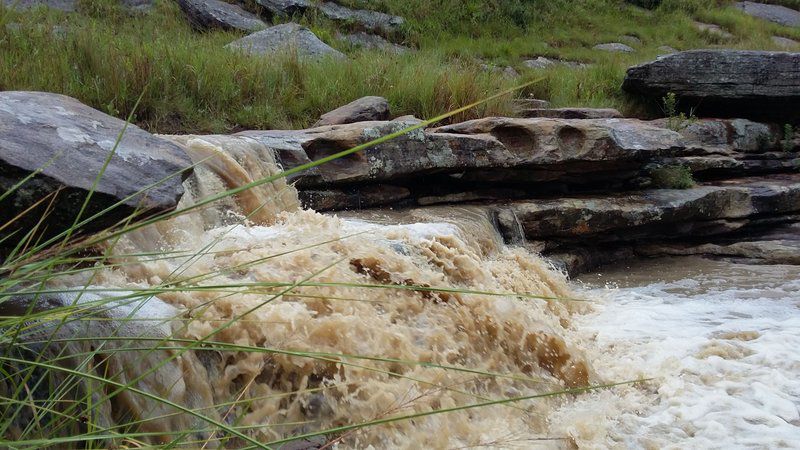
{"type": "Point", "coordinates": [774, 13]}
{"type": "Point", "coordinates": [64, 144]}
{"type": "Point", "coordinates": [724, 83]}
{"type": "Point", "coordinates": [209, 14]}
{"type": "Point", "coordinates": [287, 37]}
{"type": "Point", "coordinates": [362, 110]}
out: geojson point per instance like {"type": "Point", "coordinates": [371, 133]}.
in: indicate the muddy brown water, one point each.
{"type": "Point", "coordinates": [718, 340]}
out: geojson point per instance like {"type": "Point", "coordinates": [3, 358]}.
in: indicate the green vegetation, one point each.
{"type": "Point", "coordinates": [107, 57]}
{"type": "Point", "coordinates": [672, 177]}
{"type": "Point", "coordinates": [676, 121]}
{"type": "Point", "coordinates": [788, 137]}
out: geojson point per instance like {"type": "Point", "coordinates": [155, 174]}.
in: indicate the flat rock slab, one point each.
{"type": "Point", "coordinates": [785, 43]}
{"type": "Point", "coordinates": [288, 37]}
{"type": "Point", "coordinates": [367, 41]}
{"type": "Point", "coordinates": [210, 14]}
{"type": "Point", "coordinates": [372, 21]}
{"type": "Point", "coordinates": [69, 143]}
{"type": "Point", "coordinates": [773, 13]}
{"type": "Point", "coordinates": [541, 62]}
{"type": "Point", "coordinates": [492, 143]}
{"type": "Point", "coordinates": [778, 246]}
{"type": "Point", "coordinates": [724, 83]}
{"type": "Point", "coordinates": [713, 29]}
{"type": "Point", "coordinates": [614, 47]}
{"type": "Point", "coordinates": [573, 113]}
{"type": "Point", "coordinates": [708, 209]}
{"type": "Point", "coordinates": [364, 109]}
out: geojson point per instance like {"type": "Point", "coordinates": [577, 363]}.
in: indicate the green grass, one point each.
{"type": "Point", "coordinates": [191, 83]}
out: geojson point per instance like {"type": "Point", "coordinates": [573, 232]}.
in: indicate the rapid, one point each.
{"type": "Point", "coordinates": [392, 314]}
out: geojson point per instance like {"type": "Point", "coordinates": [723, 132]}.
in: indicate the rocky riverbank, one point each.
{"type": "Point", "coordinates": [582, 191]}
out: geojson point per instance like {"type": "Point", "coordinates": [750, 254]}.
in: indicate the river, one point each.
{"type": "Point", "coordinates": [414, 312]}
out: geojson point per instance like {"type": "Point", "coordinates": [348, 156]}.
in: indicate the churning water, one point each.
{"type": "Point", "coordinates": [718, 340]}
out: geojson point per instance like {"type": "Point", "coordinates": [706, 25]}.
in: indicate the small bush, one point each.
{"type": "Point", "coordinates": [788, 138]}
{"type": "Point", "coordinates": [676, 121]}
{"type": "Point", "coordinates": [672, 177]}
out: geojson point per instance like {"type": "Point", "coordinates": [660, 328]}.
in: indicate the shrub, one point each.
{"type": "Point", "coordinates": [676, 121]}
{"type": "Point", "coordinates": [788, 138]}
{"type": "Point", "coordinates": [672, 177]}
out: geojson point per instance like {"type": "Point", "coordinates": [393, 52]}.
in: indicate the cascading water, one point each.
{"type": "Point", "coordinates": [300, 281]}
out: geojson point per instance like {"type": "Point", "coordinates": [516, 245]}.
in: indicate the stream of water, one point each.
{"type": "Point", "coordinates": [717, 340]}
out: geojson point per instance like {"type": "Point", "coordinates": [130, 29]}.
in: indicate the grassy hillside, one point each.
{"type": "Point", "coordinates": [188, 82]}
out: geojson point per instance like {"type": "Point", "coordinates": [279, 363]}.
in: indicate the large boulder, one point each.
{"type": "Point", "coordinates": [372, 21]}
{"type": "Point", "coordinates": [362, 110]}
{"type": "Point", "coordinates": [63, 145]}
{"type": "Point", "coordinates": [582, 232]}
{"type": "Point", "coordinates": [497, 144]}
{"type": "Point", "coordinates": [209, 14]}
{"type": "Point", "coordinates": [287, 37]}
{"type": "Point", "coordinates": [724, 83]}
{"type": "Point", "coordinates": [496, 158]}
{"type": "Point", "coordinates": [714, 208]}
{"type": "Point", "coordinates": [773, 13]}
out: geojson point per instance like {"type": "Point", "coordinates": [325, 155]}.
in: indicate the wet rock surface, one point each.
{"type": "Point", "coordinates": [579, 190]}
{"type": "Point", "coordinates": [724, 83]}
{"type": "Point", "coordinates": [488, 158]}
{"type": "Point", "coordinates": [121, 327]}
{"type": "Point", "coordinates": [64, 145]}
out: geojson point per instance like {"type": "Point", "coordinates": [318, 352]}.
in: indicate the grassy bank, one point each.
{"type": "Point", "coordinates": [191, 83]}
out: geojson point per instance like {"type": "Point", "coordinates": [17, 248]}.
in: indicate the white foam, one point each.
{"type": "Point", "coordinates": [720, 340]}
